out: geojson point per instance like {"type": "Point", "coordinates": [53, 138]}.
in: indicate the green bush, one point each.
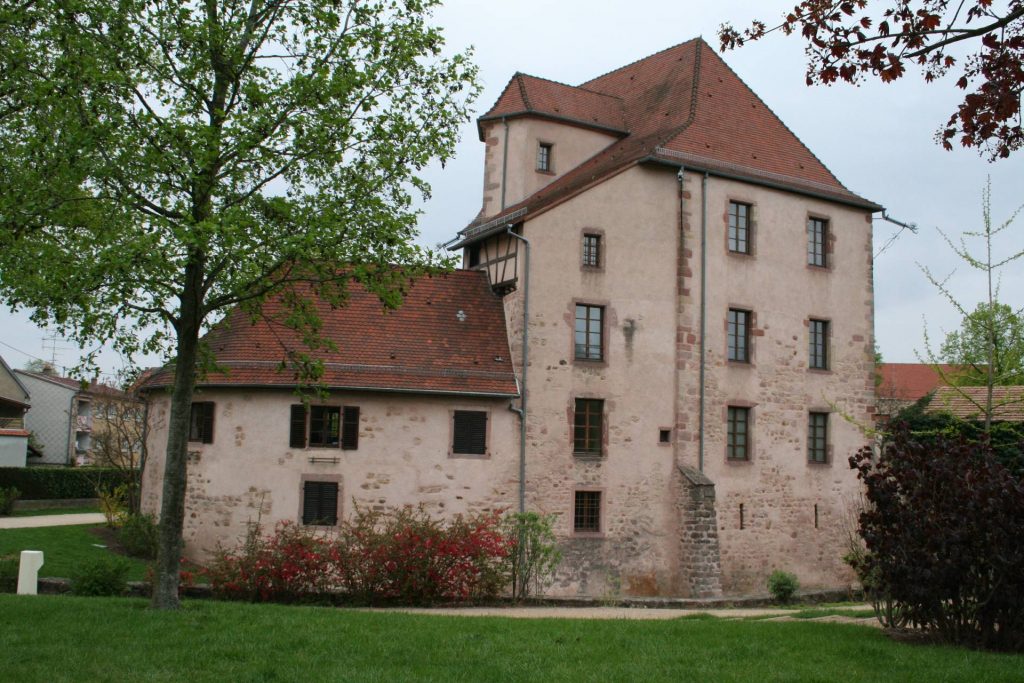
{"type": "Point", "coordinates": [101, 577]}
{"type": "Point", "coordinates": [52, 483]}
{"type": "Point", "coordinates": [138, 536]}
{"type": "Point", "coordinates": [8, 496]}
{"type": "Point", "coordinates": [534, 556]}
{"type": "Point", "coordinates": [8, 573]}
{"type": "Point", "coordinates": [783, 586]}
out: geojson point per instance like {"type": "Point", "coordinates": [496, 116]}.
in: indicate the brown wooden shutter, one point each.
{"type": "Point", "coordinates": [350, 428]}
{"type": "Point", "coordinates": [320, 503]}
{"type": "Point", "coordinates": [207, 422]}
{"type": "Point", "coordinates": [470, 432]}
{"type": "Point", "coordinates": [297, 438]}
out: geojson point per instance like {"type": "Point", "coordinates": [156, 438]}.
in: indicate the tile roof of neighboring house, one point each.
{"type": "Point", "coordinates": [92, 388]}
{"type": "Point", "coordinates": [683, 105]}
{"type": "Point", "coordinates": [968, 402]}
{"type": "Point", "coordinates": [910, 381]}
{"type": "Point", "coordinates": [22, 398]}
{"type": "Point", "coordinates": [447, 337]}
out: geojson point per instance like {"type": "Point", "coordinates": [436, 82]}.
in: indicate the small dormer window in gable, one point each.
{"type": "Point", "coordinates": [544, 157]}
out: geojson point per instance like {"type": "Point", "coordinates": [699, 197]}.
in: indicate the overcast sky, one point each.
{"type": "Point", "coordinates": [877, 139]}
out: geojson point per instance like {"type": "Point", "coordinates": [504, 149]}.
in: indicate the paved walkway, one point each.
{"type": "Point", "coordinates": [630, 613]}
{"type": "Point", "coordinates": [51, 520]}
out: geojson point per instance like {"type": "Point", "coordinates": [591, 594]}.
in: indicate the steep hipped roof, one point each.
{"type": "Point", "coordinates": [529, 95]}
{"type": "Point", "coordinates": [447, 337]}
{"type": "Point", "coordinates": [910, 381]}
{"type": "Point", "coordinates": [967, 402]}
{"type": "Point", "coordinates": [683, 105]}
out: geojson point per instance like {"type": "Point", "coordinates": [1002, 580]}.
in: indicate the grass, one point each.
{"type": "Point", "coordinates": [64, 549]}
{"type": "Point", "coordinates": [55, 511]}
{"type": "Point", "coordinates": [122, 640]}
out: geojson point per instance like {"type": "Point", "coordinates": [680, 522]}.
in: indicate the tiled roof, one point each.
{"type": "Point", "coordinates": [540, 97]}
{"type": "Point", "coordinates": [968, 402]}
{"type": "Point", "coordinates": [448, 336]}
{"type": "Point", "coordinates": [681, 105]}
{"type": "Point", "coordinates": [910, 381]}
{"type": "Point", "coordinates": [92, 388]}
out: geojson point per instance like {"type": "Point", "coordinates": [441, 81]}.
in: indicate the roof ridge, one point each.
{"type": "Point", "coordinates": [678, 130]}
{"type": "Point", "coordinates": [637, 61]}
{"type": "Point", "coordinates": [784, 124]}
{"type": "Point", "coordinates": [522, 91]}
{"type": "Point", "coordinates": [569, 85]}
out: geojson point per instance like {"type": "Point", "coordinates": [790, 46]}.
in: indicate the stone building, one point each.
{"type": "Point", "coordinates": [685, 293]}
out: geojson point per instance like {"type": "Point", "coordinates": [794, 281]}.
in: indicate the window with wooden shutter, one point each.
{"type": "Point", "coordinates": [320, 503]}
{"type": "Point", "coordinates": [324, 426]}
{"type": "Point", "coordinates": [470, 432]}
{"type": "Point", "coordinates": [350, 428]}
{"type": "Point", "coordinates": [297, 434]}
{"type": "Point", "coordinates": [200, 425]}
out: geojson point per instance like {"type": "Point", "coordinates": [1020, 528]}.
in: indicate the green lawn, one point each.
{"type": "Point", "coordinates": [55, 511]}
{"type": "Point", "coordinates": [64, 548]}
{"type": "Point", "coordinates": [59, 638]}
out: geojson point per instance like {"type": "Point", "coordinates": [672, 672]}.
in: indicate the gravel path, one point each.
{"type": "Point", "coordinates": [618, 612]}
{"type": "Point", "coordinates": [51, 520]}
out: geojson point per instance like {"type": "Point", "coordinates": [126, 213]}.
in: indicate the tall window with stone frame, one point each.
{"type": "Point", "coordinates": [586, 513]}
{"type": "Point", "coordinates": [817, 437]}
{"type": "Point", "coordinates": [592, 251]}
{"type": "Point", "coordinates": [544, 157]}
{"type": "Point", "coordinates": [588, 427]}
{"type": "Point", "coordinates": [817, 351]}
{"type": "Point", "coordinates": [589, 341]}
{"type": "Point", "coordinates": [737, 445]}
{"type": "Point", "coordinates": [738, 335]}
{"type": "Point", "coordinates": [817, 242]}
{"type": "Point", "coordinates": [739, 227]}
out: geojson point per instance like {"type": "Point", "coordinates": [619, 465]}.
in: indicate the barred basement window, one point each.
{"type": "Point", "coordinates": [817, 437]}
{"type": "Point", "coordinates": [592, 251]}
{"type": "Point", "coordinates": [739, 335]}
{"type": "Point", "coordinates": [469, 434]}
{"type": "Point", "coordinates": [588, 426]}
{"type": "Point", "coordinates": [818, 345]}
{"type": "Point", "coordinates": [817, 239]}
{"type": "Point", "coordinates": [200, 422]}
{"type": "Point", "coordinates": [737, 434]}
{"type": "Point", "coordinates": [739, 227]}
{"type": "Point", "coordinates": [589, 333]}
{"type": "Point", "coordinates": [320, 503]}
{"type": "Point", "coordinates": [586, 516]}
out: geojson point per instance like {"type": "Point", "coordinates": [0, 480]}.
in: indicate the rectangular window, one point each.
{"type": "Point", "coordinates": [350, 428]}
{"type": "Point", "coordinates": [817, 239]}
{"type": "Point", "coordinates": [589, 344]}
{"type": "Point", "coordinates": [324, 426]}
{"type": "Point", "coordinates": [200, 422]}
{"type": "Point", "coordinates": [817, 437]}
{"type": "Point", "coordinates": [586, 514]}
{"type": "Point", "coordinates": [737, 445]}
{"type": "Point", "coordinates": [739, 335]}
{"type": "Point", "coordinates": [544, 157]}
{"type": "Point", "coordinates": [587, 426]}
{"type": "Point", "coordinates": [739, 227]}
{"type": "Point", "coordinates": [818, 345]}
{"type": "Point", "coordinates": [320, 503]}
{"type": "Point", "coordinates": [592, 251]}
{"type": "Point", "coordinates": [469, 434]}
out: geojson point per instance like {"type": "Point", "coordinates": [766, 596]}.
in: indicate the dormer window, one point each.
{"type": "Point", "coordinates": [544, 157]}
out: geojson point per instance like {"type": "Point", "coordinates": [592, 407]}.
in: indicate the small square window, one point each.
{"type": "Point", "coordinates": [586, 517]}
{"type": "Point", "coordinates": [739, 335]}
{"type": "Point", "coordinates": [817, 437]}
{"type": "Point", "coordinates": [592, 251]}
{"type": "Point", "coordinates": [818, 345]}
{"type": "Point", "coordinates": [469, 434]}
{"type": "Point", "coordinates": [544, 157]}
{"type": "Point", "coordinates": [664, 436]}
{"type": "Point", "coordinates": [200, 422]}
{"type": "Point", "coordinates": [320, 503]}
{"type": "Point", "coordinates": [589, 344]}
{"type": "Point", "coordinates": [588, 426]}
{"type": "Point", "coordinates": [817, 239]}
{"type": "Point", "coordinates": [739, 227]}
{"type": "Point", "coordinates": [737, 445]}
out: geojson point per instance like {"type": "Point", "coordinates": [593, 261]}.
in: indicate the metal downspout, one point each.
{"type": "Point", "coordinates": [521, 410]}
{"type": "Point", "coordinates": [703, 306]}
{"type": "Point", "coordinates": [679, 303]}
{"type": "Point", "coordinates": [504, 166]}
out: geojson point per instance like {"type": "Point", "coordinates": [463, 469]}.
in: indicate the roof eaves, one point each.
{"type": "Point", "coordinates": [572, 121]}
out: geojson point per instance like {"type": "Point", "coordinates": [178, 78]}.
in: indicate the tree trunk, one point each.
{"type": "Point", "coordinates": [172, 505]}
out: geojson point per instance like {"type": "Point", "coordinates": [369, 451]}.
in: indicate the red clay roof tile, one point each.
{"type": "Point", "coordinates": [910, 381]}
{"type": "Point", "coordinates": [968, 402]}
{"type": "Point", "coordinates": [529, 95]}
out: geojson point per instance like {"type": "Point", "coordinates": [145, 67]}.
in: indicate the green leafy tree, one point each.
{"type": "Point", "coordinates": [163, 161]}
{"type": "Point", "coordinates": [997, 325]}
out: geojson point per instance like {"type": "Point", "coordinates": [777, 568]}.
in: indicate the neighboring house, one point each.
{"type": "Point", "coordinates": [968, 403]}
{"type": "Point", "coordinates": [14, 401]}
{"type": "Point", "coordinates": [901, 385]}
{"type": "Point", "coordinates": [699, 310]}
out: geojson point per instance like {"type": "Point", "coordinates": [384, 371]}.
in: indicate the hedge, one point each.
{"type": "Point", "coordinates": [50, 483]}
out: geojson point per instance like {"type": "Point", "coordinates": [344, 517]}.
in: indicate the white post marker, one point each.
{"type": "Point", "coordinates": [28, 572]}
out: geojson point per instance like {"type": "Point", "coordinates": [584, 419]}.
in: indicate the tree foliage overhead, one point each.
{"type": "Point", "coordinates": [850, 39]}
{"type": "Point", "coordinates": [162, 161]}
{"type": "Point", "coordinates": [997, 325]}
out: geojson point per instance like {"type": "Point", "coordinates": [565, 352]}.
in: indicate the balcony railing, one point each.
{"type": "Point", "coordinates": [12, 423]}
{"type": "Point", "coordinates": [83, 423]}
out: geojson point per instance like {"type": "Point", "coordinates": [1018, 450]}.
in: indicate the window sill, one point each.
{"type": "Point", "coordinates": [739, 461]}
{"type": "Point", "coordinates": [740, 254]}
{"type": "Point", "coordinates": [819, 269]}
{"type": "Point", "coordinates": [470, 456]}
{"type": "Point", "coordinates": [590, 362]}
{"type": "Point", "coordinates": [543, 172]}
{"type": "Point", "coordinates": [820, 371]}
{"type": "Point", "coordinates": [588, 457]}
{"type": "Point", "coordinates": [740, 364]}
{"type": "Point", "coordinates": [819, 463]}
{"type": "Point", "coordinates": [593, 535]}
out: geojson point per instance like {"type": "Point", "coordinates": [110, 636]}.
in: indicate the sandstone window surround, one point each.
{"type": "Point", "coordinates": [817, 242]}
{"type": "Point", "coordinates": [817, 437]}
{"type": "Point", "coordinates": [545, 162]}
{"type": "Point", "coordinates": [200, 422]}
{"type": "Point", "coordinates": [588, 342]}
{"type": "Point", "coordinates": [818, 338]}
{"type": "Point", "coordinates": [588, 512]}
{"type": "Point", "coordinates": [588, 427]}
{"type": "Point", "coordinates": [469, 433]}
{"type": "Point", "coordinates": [328, 426]}
{"type": "Point", "coordinates": [738, 335]}
{"type": "Point", "coordinates": [591, 257]}
{"type": "Point", "coordinates": [320, 500]}
{"type": "Point", "coordinates": [739, 233]}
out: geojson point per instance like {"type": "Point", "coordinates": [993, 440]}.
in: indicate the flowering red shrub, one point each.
{"type": "Point", "coordinates": [401, 556]}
